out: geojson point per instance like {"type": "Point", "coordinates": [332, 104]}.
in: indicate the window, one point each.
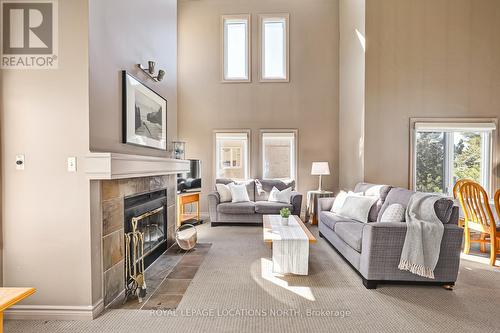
{"type": "Point", "coordinates": [232, 155]}
{"type": "Point", "coordinates": [279, 154]}
{"type": "Point", "coordinates": [274, 47]}
{"type": "Point", "coordinates": [236, 48]}
{"type": "Point", "coordinates": [447, 152]}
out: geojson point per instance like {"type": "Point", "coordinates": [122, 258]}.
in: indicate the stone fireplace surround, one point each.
{"type": "Point", "coordinates": [113, 193]}
{"type": "Point", "coordinates": [114, 177]}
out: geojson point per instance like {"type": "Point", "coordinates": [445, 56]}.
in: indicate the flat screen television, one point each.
{"type": "Point", "coordinates": [190, 181]}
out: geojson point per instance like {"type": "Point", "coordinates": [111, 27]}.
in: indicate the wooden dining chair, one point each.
{"type": "Point", "coordinates": [456, 190]}
{"type": "Point", "coordinates": [478, 219]}
{"type": "Point", "coordinates": [497, 208]}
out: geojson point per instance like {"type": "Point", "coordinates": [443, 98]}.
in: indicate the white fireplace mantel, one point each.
{"type": "Point", "coordinates": [120, 166]}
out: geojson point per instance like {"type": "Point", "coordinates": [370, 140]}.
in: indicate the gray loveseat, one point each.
{"type": "Point", "coordinates": [251, 212]}
{"type": "Point", "coordinates": [373, 249]}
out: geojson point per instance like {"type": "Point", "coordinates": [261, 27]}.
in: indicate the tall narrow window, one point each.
{"type": "Point", "coordinates": [232, 155]}
{"type": "Point", "coordinates": [274, 47]}
{"type": "Point", "coordinates": [279, 154]}
{"type": "Point", "coordinates": [447, 152]}
{"type": "Point", "coordinates": [236, 48]}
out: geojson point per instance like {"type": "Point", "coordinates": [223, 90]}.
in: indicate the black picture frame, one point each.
{"type": "Point", "coordinates": [152, 132]}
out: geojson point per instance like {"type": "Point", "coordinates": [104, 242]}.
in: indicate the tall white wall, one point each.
{"type": "Point", "coordinates": [352, 92]}
{"type": "Point", "coordinates": [45, 209]}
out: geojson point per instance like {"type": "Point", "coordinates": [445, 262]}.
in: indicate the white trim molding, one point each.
{"type": "Point", "coordinates": [54, 312]}
{"type": "Point", "coordinates": [121, 166]}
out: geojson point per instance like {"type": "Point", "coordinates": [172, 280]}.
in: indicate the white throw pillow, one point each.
{"type": "Point", "coordinates": [239, 192]}
{"type": "Point", "coordinates": [357, 207]}
{"type": "Point", "coordinates": [339, 201]}
{"type": "Point", "coordinates": [394, 213]}
{"type": "Point", "coordinates": [224, 192]}
{"type": "Point", "coordinates": [280, 196]}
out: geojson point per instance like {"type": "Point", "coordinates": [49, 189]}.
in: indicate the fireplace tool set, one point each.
{"type": "Point", "coordinates": [135, 283]}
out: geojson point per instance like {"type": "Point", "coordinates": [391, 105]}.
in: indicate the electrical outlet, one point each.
{"type": "Point", "coordinates": [72, 164]}
{"type": "Point", "coordinates": [19, 162]}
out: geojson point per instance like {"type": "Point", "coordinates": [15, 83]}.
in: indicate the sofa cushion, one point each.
{"type": "Point", "coordinates": [237, 207]}
{"type": "Point", "coordinates": [224, 192]}
{"type": "Point", "coordinates": [250, 185]}
{"type": "Point", "coordinates": [394, 213]}
{"type": "Point", "coordinates": [357, 207]}
{"type": "Point", "coordinates": [268, 207]}
{"type": "Point", "coordinates": [351, 233]}
{"type": "Point", "coordinates": [264, 186]}
{"type": "Point", "coordinates": [443, 208]}
{"type": "Point", "coordinates": [280, 196]}
{"type": "Point", "coordinates": [381, 191]}
{"type": "Point", "coordinates": [330, 219]}
{"type": "Point", "coordinates": [239, 193]}
{"type": "Point", "coordinates": [397, 195]}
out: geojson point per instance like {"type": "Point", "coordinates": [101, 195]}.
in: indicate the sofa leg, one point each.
{"type": "Point", "coordinates": [449, 286]}
{"type": "Point", "coordinates": [369, 284]}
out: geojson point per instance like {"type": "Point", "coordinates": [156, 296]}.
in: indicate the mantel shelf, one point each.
{"type": "Point", "coordinates": [121, 166]}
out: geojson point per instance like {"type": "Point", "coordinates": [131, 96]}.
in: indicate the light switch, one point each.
{"type": "Point", "coordinates": [19, 162]}
{"type": "Point", "coordinates": [72, 164]}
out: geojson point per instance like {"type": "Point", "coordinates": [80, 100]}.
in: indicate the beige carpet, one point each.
{"type": "Point", "coordinates": [234, 291]}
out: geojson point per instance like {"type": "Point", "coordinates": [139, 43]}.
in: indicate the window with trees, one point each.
{"type": "Point", "coordinates": [279, 154]}
{"type": "Point", "coordinates": [447, 152]}
{"type": "Point", "coordinates": [232, 155]}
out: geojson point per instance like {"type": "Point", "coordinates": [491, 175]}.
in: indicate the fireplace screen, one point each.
{"type": "Point", "coordinates": [152, 227]}
{"type": "Point", "coordinates": [148, 213]}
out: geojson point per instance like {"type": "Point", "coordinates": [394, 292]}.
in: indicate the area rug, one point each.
{"type": "Point", "coordinates": [234, 291]}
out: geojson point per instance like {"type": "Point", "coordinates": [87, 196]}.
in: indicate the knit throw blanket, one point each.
{"type": "Point", "coordinates": [424, 233]}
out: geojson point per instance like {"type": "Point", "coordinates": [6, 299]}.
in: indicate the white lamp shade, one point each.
{"type": "Point", "coordinates": [320, 169]}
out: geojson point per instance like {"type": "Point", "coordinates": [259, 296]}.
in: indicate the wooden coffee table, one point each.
{"type": "Point", "coordinates": [268, 234]}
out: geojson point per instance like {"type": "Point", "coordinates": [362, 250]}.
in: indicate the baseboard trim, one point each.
{"type": "Point", "coordinates": [55, 312]}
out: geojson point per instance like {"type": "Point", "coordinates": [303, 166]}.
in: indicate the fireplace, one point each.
{"type": "Point", "coordinates": [149, 212]}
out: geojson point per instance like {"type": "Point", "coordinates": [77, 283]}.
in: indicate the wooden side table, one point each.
{"type": "Point", "coordinates": [184, 199]}
{"type": "Point", "coordinates": [312, 204]}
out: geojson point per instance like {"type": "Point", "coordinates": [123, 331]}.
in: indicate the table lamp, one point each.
{"type": "Point", "coordinates": [320, 169]}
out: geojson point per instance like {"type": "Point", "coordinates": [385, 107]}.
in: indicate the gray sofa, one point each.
{"type": "Point", "coordinates": [251, 212]}
{"type": "Point", "coordinates": [373, 249]}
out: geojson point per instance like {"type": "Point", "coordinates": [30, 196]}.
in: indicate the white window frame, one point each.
{"type": "Point", "coordinates": [246, 154]}
{"type": "Point", "coordinates": [295, 150]}
{"type": "Point", "coordinates": [488, 127]}
{"type": "Point", "coordinates": [269, 17]}
{"type": "Point", "coordinates": [247, 19]}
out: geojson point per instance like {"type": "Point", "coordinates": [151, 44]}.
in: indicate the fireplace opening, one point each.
{"type": "Point", "coordinates": [150, 213]}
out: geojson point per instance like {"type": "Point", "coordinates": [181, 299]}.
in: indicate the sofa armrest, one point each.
{"type": "Point", "coordinates": [325, 203]}
{"type": "Point", "coordinates": [383, 242]}
{"type": "Point", "coordinates": [213, 201]}
{"type": "Point", "coordinates": [296, 202]}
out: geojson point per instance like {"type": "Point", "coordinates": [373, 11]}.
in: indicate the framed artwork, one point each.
{"type": "Point", "coordinates": [144, 115]}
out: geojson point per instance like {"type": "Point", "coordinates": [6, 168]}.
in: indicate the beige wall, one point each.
{"type": "Point", "coordinates": [46, 231]}
{"type": "Point", "coordinates": [352, 92]}
{"type": "Point", "coordinates": [425, 58]}
{"type": "Point", "coordinates": [121, 35]}
{"type": "Point", "coordinates": [308, 103]}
